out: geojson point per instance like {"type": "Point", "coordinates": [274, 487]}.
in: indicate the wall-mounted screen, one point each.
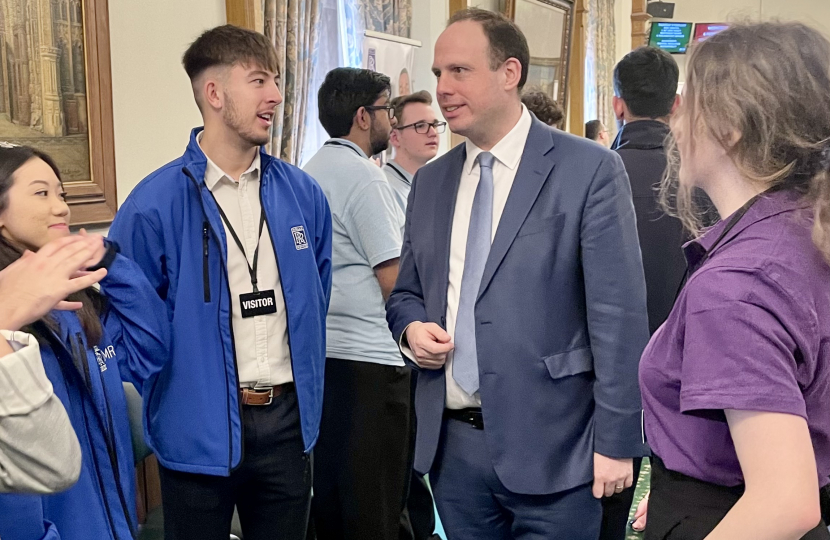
{"type": "Point", "coordinates": [704, 31]}
{"type": "Point", "coordinates": [672, 37]}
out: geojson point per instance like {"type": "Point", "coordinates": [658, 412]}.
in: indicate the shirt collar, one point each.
{"type": "Point", "coordinates": [508, 150]}
{"type": "Point", "coordinates": [213, 174]}
{"type": "Point", "coordinates": [335, 142]}
{"type": "Point", "coordinates": [395, 166]}
{"type": "Point", "coordinates": [767, 205]}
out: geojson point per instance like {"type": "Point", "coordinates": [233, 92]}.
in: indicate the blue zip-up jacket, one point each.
{"type": "Point", "coordinates": [170, 225]}
{"type": "Point", "coordinates": [87, 380]}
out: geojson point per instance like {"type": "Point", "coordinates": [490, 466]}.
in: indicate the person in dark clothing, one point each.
{"type": "Point", "coordinates": [645, 95]}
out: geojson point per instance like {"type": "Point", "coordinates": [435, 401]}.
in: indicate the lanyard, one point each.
{"type": "Point", "coordinates": [399, 173]}
{"type": "Point", "coordinates": [338, 143]}
{"type": "Point", "coordinates": [736, 217]}
{"type": "Point", "coordinates": [251, 270]}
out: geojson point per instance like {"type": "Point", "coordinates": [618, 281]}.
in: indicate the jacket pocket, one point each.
{"type": "Point", "coordinates": [569, 363]}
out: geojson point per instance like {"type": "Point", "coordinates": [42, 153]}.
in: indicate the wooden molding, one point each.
{"type": "Point", "coordinates": [243, 13]}
{"type": "Point", "coordinates": [639, 23]}
{"type": "Point", "coordinates": [94, 201]}
{"type": "Point", "coordinates": [457, 5]}
{"type": "Point", "coordinates": [576, 84]}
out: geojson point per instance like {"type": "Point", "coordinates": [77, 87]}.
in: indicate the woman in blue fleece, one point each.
{"type": "Point", "coordinates": [119, 332]}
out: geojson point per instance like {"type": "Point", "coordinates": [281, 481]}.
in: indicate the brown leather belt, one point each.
{"type": "Point", "coordinates": [260, 397]}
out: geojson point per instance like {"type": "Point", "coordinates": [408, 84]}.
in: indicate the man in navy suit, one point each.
{"type": "Point", "coordinates": [521, 300]}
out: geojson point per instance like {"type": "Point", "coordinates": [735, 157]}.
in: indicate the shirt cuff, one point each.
{"type": "Point", "coordinates": [24, 386]}
{"type": "Point", "coordinates": [403, 345]}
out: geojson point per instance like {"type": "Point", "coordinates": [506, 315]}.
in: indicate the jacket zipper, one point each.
{"type": "Point", "coordinates": [231, 468]}
{"type": "Point", "coordinates": [205, 260]}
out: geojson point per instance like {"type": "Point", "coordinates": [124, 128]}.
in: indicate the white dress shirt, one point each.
{"type": "Point", "coordinates": [262, 354]}
{"type": "Point", "coordinates": [508, 153]}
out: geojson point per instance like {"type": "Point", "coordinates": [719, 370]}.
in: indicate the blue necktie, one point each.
{"type": "Point", "coordinates": [465, 359]}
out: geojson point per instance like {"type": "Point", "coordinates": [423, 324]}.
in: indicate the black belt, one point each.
{"type": "Point", "coordinates": [470, 416]}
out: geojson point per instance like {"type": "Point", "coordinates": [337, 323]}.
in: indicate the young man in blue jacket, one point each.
{"type": "Point", "coordinates": [238, 244]}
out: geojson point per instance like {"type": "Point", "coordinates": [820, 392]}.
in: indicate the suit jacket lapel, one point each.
{"type": "Point", "coordinates": [534, 169]}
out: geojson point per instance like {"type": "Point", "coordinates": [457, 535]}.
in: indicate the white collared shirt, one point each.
{"type": "Point", "coordinates": [508, 153]}
{"type": "Point", "coordinates": [262, 354]}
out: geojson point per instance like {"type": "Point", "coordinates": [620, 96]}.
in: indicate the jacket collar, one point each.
{"type": "Point", "coordinates": [195, 160]}
{"type": "Point", "coordinates": [642, 135]}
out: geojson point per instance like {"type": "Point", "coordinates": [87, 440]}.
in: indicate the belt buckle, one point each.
{"type": "Point", "coordinates": [270, 396]}
{"type": "Point", "coordinates": [270, 390]}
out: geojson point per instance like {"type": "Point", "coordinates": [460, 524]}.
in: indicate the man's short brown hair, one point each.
{"type": "Point", "coordinates": [229, 45]}
{"type": "Point", "coordinates": [506, 40]}
{"type": "Point", "coordinates": [544, 107]}
{"type": "Point", "coordinates": [401, 102]}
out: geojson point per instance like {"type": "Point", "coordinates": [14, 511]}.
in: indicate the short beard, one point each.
{"type": "Point", "coordinates": [378, 144]}
{"type": "Point", "coordinates": [232, 120]}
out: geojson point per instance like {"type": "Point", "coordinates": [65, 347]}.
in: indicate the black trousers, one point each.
{"type": "Point", "coordinates": [362, 456]}
{"type": "Point", "coordinates": [616, 508]}
{"type": "Point", "coordinates": [684, 508]}
{"type": "Point", "coordinates": [271, 488]}
{"type": "Point", "coordinates": [418, 517]}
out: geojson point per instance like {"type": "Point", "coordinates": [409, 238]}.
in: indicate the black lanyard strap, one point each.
{"type": "Point", "coordinates": [251, 270]}
{"type": "Point", "coordinates": [344, 145]}
{"type": "Point", "coordinates": [399, 173]}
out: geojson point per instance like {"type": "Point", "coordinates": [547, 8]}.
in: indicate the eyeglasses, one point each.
{"type": "Point", "coordinates": [390, 110]}
{"type": "Point", "coordinates": [423, 127]}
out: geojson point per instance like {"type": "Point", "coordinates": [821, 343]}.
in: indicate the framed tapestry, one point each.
{"type": "Point", "coordinates": [56, 95]}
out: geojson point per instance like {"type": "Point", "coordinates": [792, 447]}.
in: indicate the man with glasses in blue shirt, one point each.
{"type": "Point", "coordinates": [361, 461]}
{"type": "Point", "coordinates": [415, 139]}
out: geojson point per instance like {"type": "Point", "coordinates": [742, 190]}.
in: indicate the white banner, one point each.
{"type": "Point", "coordinates": [394, 59]}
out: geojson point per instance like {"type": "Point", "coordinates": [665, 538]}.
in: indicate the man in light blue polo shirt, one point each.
{"type": "Point", "coordinates": [361, 458]}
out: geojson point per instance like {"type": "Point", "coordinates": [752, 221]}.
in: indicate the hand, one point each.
{"type": "Point", "coordinates": [612, 475]}
{"type": "Point", "coordinates": [39, 282]}
{"type": "Point", "coordinates": [639, 524]}
{"type": "Point", "coordinates": [96, 241]}
{"type": "Point", "coordinates": [429, 343]}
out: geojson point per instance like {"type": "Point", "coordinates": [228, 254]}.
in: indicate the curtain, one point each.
{"type": "Point", "coordinates": [599, 63]}
{"type": "Point", "coordinates": [388, 16]}
{"type": "Point", "coordinates": [291, 25]}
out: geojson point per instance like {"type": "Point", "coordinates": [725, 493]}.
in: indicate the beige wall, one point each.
{"type": "Point", "coordinates": [429, 18]}
{"type": "Point", "coordinates": [153, 105]}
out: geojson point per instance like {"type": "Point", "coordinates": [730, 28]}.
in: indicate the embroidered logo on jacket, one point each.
{"type": "Point", "coordinates": [103, 355]}
{"type": "Point", "coordinates": [300, 241]}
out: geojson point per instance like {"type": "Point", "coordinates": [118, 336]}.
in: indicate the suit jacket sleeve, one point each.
{"type": "Point", "coordinates": [406, 303]}
{"type": "Point", "coordinates": [615, 293]}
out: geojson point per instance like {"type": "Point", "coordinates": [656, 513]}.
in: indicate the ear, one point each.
{"type": "Point", "coordinates": [363, 119]}
{"type": "Point", "coordinates": [212, 93]}
{"type": "Point", "coordinates": [619, 108]}
{"type": "Point", "coordinates": [394, 138]}
{"type": "Point", "coordinates": [677, 99]}
{"type": "Point", "coordinates": [513, 73]}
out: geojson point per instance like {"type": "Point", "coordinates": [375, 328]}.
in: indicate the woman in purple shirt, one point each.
{"type": "Point", "coordinates": [736, 383]}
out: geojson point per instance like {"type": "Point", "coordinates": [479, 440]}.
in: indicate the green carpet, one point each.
{"type": "Point", "coordinates": [639, 493]}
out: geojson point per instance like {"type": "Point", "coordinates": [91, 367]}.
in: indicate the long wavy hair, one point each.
{"type": "Point", "coordinates": [11, 159]}
{"type": "Point", "coordinates": [770, 83]}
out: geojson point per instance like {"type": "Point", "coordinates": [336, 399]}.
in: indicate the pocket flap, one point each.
{"type": "Point", "coordinates": [569, 363]}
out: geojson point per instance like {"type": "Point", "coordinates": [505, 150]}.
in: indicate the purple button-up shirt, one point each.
{"type": "Point", "coordinates": [750, 331]}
